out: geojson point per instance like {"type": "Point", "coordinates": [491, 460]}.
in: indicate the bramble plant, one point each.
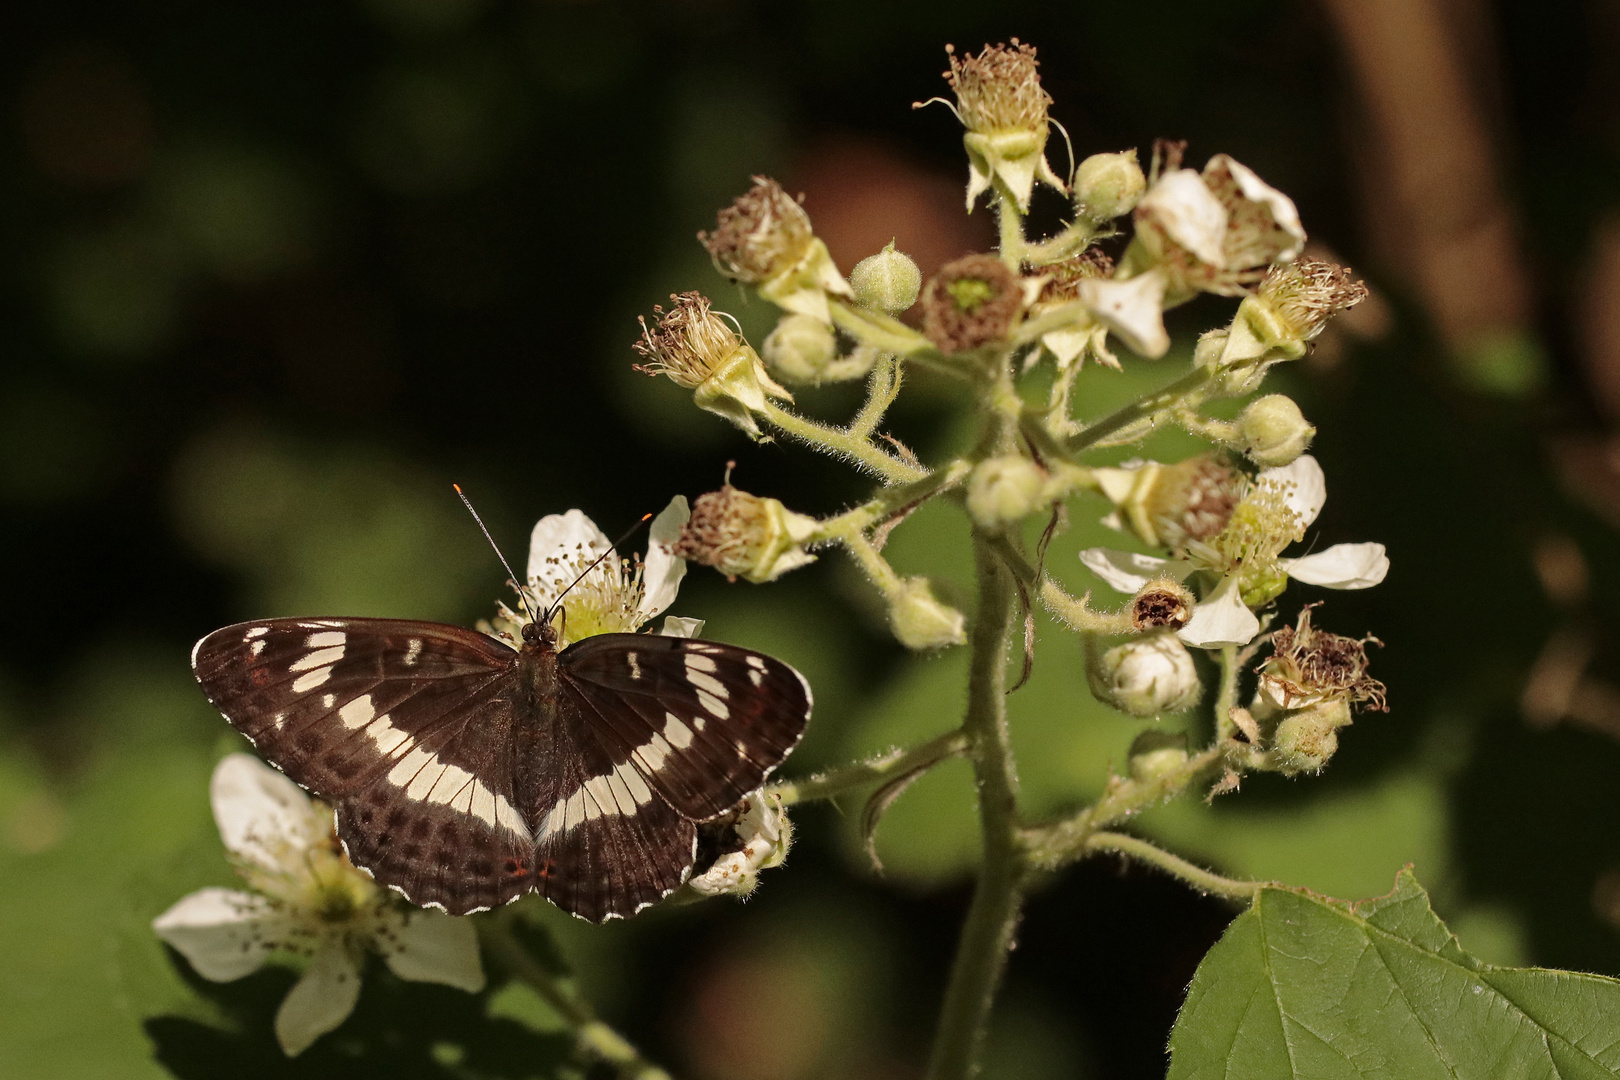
{"type": "Point", "coordinates": [1301, 985]}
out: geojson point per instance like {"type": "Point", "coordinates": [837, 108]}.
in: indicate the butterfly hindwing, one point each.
{"type": "Point", "coordinates": [404, 727]}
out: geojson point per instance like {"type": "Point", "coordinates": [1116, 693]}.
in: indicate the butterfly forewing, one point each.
{"type": "Point", "coordinates": [705, 722]}
{"type": "Point", "coordinates": [465, 773]}
{"type": "Point", "coordinates": [404, 727]}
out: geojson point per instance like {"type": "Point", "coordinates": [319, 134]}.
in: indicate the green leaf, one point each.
{"type": "Point", "coordinates": [1303, 986]}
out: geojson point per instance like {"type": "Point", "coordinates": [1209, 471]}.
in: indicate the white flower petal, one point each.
{"type": "Point", "coordinates": [566, 537]}
{"type": "Point", "coordinates": [1305, 484]}
{"type": "Point", "coordinates": [222, 933]}
{"type": "Point", "coordinates": [1132, 309]}
{"type": "Point", "coordinates": [262, 815]}
{"type": "Point", "coordinates": [431, 946]}
{"type": "Point", "coordinates": [1283, 210]}
{"type": "Point", "coordinates": [1181, 206]}
{"type": "Point", "coordinates": [676, 626]}
{"type": "Point", "coordinates": [319, 1001]}
{"type": "Point", "coordinates": [663, 569]}
{"type": "Point", "coordinates": [1221, 619]}
{"type": "Point", "coordinates": [1124, 570]}
{"type": "Point", "coordinates": [1342, 566]}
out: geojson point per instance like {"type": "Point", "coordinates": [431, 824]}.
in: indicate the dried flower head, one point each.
{"type": "Point", "coordinates": [1306, 293]}
{"type": "Point", "coordinates": [765, 239]}
{"type": "Point", "coordinates": [1063, 278]}
{"type": "Point", "coordinates": [700, 351]}
{"type": "Point", "coordinates": [1161, 603]}
{"type": "Point", "coordinates": [970, 302]}
{"type": "Point", "coordinates": [1308, 666]}
{"type": "Point", "coordinates": [1217, 231]}
{"type": "Point", "coordinates": [763, 234]}
{"type": "Point", "coordinates": [1000, 101]}
{"type": "Point", "coordinates": [743, 535]}
{"type": "Point", "coordinates": [1000, 89]}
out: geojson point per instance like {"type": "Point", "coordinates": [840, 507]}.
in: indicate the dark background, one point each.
{"type": "Point", "coordinates": [273, 275]}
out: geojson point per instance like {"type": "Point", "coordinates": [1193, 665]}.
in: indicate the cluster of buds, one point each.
{"type": "Point", "coordinates": [1306, 691]}
{"type": "Point", "coordinates": [764, 239]}
{"type": "Point", "coordinates": [743, 535]}
{"type": "Point", "coordinates": [700, 351]}
{"type": "Point", "coordinates": [1000, 101]}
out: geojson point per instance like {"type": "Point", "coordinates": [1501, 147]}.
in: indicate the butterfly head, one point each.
{"type": "Point", "coordinates": [540, 634]}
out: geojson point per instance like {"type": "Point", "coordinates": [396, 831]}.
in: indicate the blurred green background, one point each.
{"type": "Point", "coordinates": [275, 274]}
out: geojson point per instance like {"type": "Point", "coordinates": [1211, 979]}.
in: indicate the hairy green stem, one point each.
{"type": "Point", "coordinates": [835, 782]}
{"type": "Point", "coordinates": [981, 953]}
{"type": "Point", "coordinates": [882, 388]}
{"type": "Point", "coordinates": [595, 1038]}
{"type": "Point", "coordinates": [1142, 407]}
{"type": "Point", "coordinates": [1193, 874]}
{"type": "Point", "coordinates": [841, 443]}
{"type": "Point", "coordinates": [871, 562]}
{"type": "Point", "coordinates": [1226, 696]}
{"type": "Point", "coordinates": [890, 501]}
{"type": "Point", "coordinates": [1011, 222]}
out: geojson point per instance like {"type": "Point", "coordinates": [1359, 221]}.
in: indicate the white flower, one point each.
{"type": "Point", "coordinates": [616, 596]}
{"type": "Point", "coordinates": [1133, 309]}
{"type": "Point", "coordinates": [1281, 505]}
{"type": "Point", "coordinates": [765, 835]}
{"type": "Point", "coordinates": [308, 899]}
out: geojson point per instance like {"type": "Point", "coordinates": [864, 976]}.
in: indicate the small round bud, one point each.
{"type": "Point", "coordinates": [1156, 754]}
{"type": "Point", "coordinates": [800, 348]}
{"type": "Point", "coordinates": [1164, 604]}
{"type": "Point", "coordinates": [1003, 490]}
{"type": "Point", "coordinates": [888, 281]}
{"type": "Point", "coordinates": [1305, 740]}
{"type": "Point", "coordinates": [1145, 677]}
{"type": "Point", "coordinates": [1107, 186]}
{"type": "Point", "coordinates": [1273, 431]}
{"type": "Point", "coordinates": [921, 622]}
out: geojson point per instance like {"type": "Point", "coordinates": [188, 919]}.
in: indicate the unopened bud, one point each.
{"type": "Point", "coordinates": [1305, 740]}
{"type": "Point", "coordinates": [1155, 754]}
{"type": "Point", "coordinates": [1164, 604]}
{"type": "Point", "coordinates": [1145, 677]}
{"type": "Point", "coordinates": [920, 621]}
{"type": "Point", "coordinates": [970, 302]}
{"type": "Point", "coordinates": [1273, 431]}
{"type": "Point", "coordinates": [800, 348]}
{"type": "Point", "coordinates": [743, 535]}
{"type": "Point", "coordinates": [1107, 186]}
{"type": "Point", "coordinates": [1003, 490]}
{"type": "Point", "coordinates": [888, 281]}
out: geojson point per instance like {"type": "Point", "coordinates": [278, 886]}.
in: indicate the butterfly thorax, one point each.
{"type": "Point", "coordinates": [534, 721]}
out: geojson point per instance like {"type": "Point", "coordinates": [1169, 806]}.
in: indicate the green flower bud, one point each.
{"type": "Point", "coordinates": [1305, 740]}
{"type": "Point", "coordinates": [888, 281]}
{"type": "Point", "coordinates": [921, 622]}
{"type": "Point", "coordinates": [1003, 490]}
{"type": "Point", "coordinates": [800, 348]}
{"type": "Point", "coordinates": [1107, 186]}
{"type": "Point", "coordinates": [1273, 431]}
{"type": "Point", "coordinates": [1145, 677]}
{"type": "Point", "coordinates": [1155, 754]}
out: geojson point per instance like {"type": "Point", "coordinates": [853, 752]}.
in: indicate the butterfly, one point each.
{"type": "Point", "coordinates": [465, 773]}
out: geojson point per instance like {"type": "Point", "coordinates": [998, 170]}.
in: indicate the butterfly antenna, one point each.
{"type": "Point", "coordinates": [628, 533]}
{"type": "Point", "coordinates": [523, 597]}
